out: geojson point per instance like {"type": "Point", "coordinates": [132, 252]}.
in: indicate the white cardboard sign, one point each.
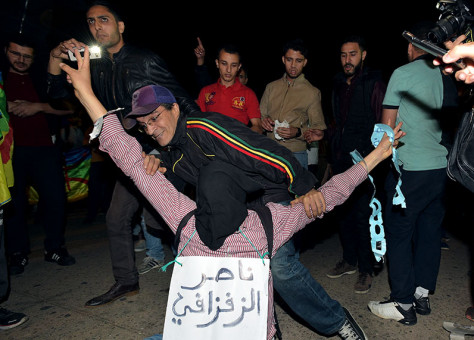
{"type": "Point", "coordinates": [218, 298]}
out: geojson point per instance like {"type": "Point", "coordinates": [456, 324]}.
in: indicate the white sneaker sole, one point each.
{"type": "Point", "coordinates": [350, 272]}
{"type": "Point", "coordinates": [385, 311]}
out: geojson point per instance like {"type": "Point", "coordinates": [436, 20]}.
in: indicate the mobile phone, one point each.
{"type": "Point", "coordinates": [94, 53]}
{"type": "Point", "coordinates": [425, 45]}
{"type": "Point", "coordinates": [429, 47]}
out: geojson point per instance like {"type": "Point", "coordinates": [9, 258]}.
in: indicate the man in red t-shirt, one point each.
{"type": "Point", "coordinates": [228, 96]}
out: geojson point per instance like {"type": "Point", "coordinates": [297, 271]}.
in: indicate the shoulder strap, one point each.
{"type": "Point", "coordinates": [266, 218]}
{"type": "Point", "coordinates": [181, 225]}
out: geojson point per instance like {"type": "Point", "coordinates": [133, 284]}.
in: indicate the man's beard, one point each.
{"type": "Point", "coordinates": [356, 70]}
{"type": "Point", "coordinates": [22, 70]}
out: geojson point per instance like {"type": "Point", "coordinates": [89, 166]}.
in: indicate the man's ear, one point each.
{"type": "Point", "coordinates": [121, 26]}
{"type": "Point", "coordinates": [175, 110]}
{"type": "Point", "coordinates": [364, 54]}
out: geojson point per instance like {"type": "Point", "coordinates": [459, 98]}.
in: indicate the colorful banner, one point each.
{"type": "Point", "coordinates": [6, 149]}
{"type": "Point", "coordinates": [77, 163]}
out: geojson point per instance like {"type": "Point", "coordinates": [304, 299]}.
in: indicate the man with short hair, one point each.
{"type": "Point", "coordinates": [357, 97]}
{"type": "Point", "coordinates": [295, 100]}
{"type": "Point", "coordinates": [417, 94]}
{"type": "Point", "coordinates": [122, 69]}
{"type": "Point", "coordinates": [37, 159]}
{"type": "Point", "coordinates": [228, 95]}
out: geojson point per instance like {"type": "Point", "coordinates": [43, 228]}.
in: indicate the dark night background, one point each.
{"type": "Point", "coordinates": [260, 28]}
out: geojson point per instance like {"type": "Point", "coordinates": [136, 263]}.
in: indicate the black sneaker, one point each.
{"type": "Point", "coordinates": [18, 262]}
{"type": "Point", "coordinates": [10, 319]}
{"type": "Point", "coordinates": [422, 305]}
{"type": "Point", "coordinates": [59, 256]}
{"type": "Point", "coordinates": [350, 329]}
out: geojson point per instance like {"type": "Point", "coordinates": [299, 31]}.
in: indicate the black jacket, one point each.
{"type": "Point", "coordinates": [131, 69]}
{"type": "Point", "coordinates": [202, 137]}
{"type": "Point", "coordinates": [115, 80]}
{"type": "Point", "coordinates": [353, 126]}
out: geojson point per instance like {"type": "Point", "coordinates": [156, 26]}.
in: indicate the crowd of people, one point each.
{"type": "Point", "coordinates": [236, 167]}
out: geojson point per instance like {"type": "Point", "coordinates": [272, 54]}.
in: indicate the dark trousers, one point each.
{"type": "Point", "coordinates": [101, 185]}
{"type": "Point", "coordinates": [126, 201]}
{"type": "Point", "coordinates": [40, 167]}
{"type": "Point", "coordinates": [413, 234]}
{"type": "Point", "coordinates": [354, 228]}
{"type": "Point", "coordinates": [4, 283]}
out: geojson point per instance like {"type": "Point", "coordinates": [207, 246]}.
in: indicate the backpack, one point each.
{"type": "Point", "coordinates": [461, 157]}
{"type": "Point", "coordinates": [265, 217]}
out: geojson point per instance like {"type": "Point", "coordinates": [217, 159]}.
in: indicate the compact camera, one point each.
{"type": "Point", "coordinates": [94, 53]}
{"type": "Point", "coordinates": [455, 19]}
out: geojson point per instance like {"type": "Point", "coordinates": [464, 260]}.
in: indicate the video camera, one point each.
{"type": "Point", "coordinates": [455, 19]}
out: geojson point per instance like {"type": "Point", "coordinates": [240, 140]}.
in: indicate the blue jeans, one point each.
{"type": "Point", "coordinates": [154, 247]}
{"type": "Point", "coordinates": [303, 294]}
{"type": "Point", "coordinates": [302, 157]}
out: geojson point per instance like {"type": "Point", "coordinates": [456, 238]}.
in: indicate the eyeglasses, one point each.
{"type": "Point", "coordinates": [19, 55]}
{"type": "Point", "coordinates": [143, 128]}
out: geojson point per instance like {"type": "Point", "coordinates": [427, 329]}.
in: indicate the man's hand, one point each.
{"type": "Point", "coordinates": [80, 78]}
{"type": "Point", "coordinates": [313, 135]}
{"type": "Point", "coordinates": [23, 108]}
{"type": "Point", "coordinates": [59, 54]}
{"type": "Point", "coordinates": [60, 51]}
{"type": "Point", "coordinates": [458, 50]}
{"type": "Point", "coordinates": [314, 203]}
{"type": "Point", "coordinates": [200, 52]}
{"type": "Point", "coordinates": [287, 133]}
{"type": "Point", "coordinates": [268, 124]}
{"type": "Point", "coordinates": [256, 125]}
{"type": "Point", "coordinates": [465, 52]}
{"type": "Point", "coordinates": [152, 164]}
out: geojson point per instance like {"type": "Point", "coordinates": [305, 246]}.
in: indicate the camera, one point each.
{"type": "Point", "coordinates": [455, 19]}
{"type": "Point", "coordinates": [94, 53]}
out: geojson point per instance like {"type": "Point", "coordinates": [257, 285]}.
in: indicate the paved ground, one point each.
{"type": "Point", "coordinates": [53, 296]}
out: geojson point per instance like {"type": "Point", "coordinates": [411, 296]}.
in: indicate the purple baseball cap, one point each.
{"type": "Point", "coordinates": [146, 100]}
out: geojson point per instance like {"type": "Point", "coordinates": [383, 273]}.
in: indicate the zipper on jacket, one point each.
{"type": "Point", "coordinates": [113, 83]}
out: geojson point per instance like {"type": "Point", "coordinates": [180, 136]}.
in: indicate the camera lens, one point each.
{"type": "Point", "coordinates": [445, 29]}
